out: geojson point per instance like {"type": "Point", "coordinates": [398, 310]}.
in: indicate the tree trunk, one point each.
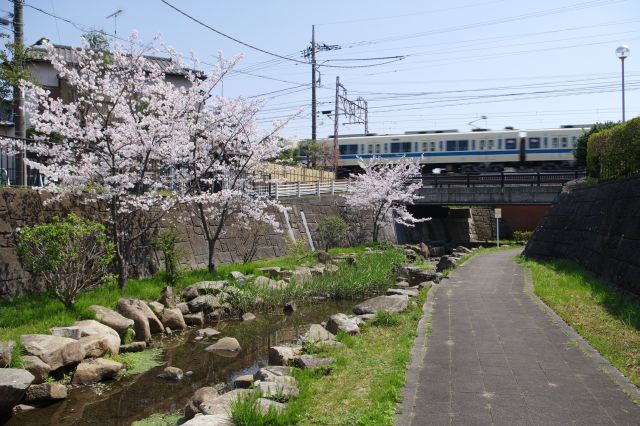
{"type": "Point", "coordinates": [211, 264]}
{"type": "Point", "coordinates": [121, 266]}
{"type": "Point", "coordinates": [375, 232]}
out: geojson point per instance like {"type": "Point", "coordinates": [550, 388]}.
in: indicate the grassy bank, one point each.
{"type": "Point", "coordinates": [608, 319]}
{"type": "Point", "coordinates": [365, 382]}
{"type": "Point", "coordinates": [36, 313]}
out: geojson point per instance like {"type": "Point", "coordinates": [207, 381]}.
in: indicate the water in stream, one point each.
{"type": "Point", "coordinates": [120, 402]}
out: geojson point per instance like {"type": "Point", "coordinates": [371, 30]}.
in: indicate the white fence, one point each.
{"type": "Point", "coordinates": [297, 189]}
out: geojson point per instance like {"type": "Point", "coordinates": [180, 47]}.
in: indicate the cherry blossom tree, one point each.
{"type": "Point", "coordinates": [218, 176]}
{"type": "Point", "coordinates": [383, 191]}
{"type": "Point", "coordinates": [124, 128]}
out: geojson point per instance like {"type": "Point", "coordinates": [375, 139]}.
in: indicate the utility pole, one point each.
{"type": "Point", "coordinates": [310, 52]}
{"type": "Point", "coordinates": [18, 97]}
{"type": "Point", "coordinates": [313, 84]}
{"type": "Point", "coordinates": [336, 117]}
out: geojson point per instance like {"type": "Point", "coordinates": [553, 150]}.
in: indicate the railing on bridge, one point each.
{"type": "Point", "coordinates": [501, 179]}
{"type": "Point", "coordinates": [297, 189]}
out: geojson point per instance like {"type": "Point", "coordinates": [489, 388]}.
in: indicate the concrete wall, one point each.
{"type": "Point", "coordinates": [598, 227]}
{"type": "Point", "coordinates": [19, 207]}
{"type": "Point", "coordinates": [489, 195]}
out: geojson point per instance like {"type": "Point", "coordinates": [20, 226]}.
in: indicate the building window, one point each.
{"type": "Point", "coordinates": [534, 143]}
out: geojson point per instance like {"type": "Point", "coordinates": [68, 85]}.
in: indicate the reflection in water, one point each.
{"type": "Point", "coordinates": [120, 402]}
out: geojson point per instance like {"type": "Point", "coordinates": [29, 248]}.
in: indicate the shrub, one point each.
{"type": "Point", "coordinates": [522, 236]}
{"type": "Point", "coordinates": [297, 248]}
{"type": "Point", "coordinates": [615, 152]}
{"type": "Point", "coordinates": [581, 144]}
{"type": "Point", "coordinates": [167, 243]}
{"type": "Point", "coordinates": [70, 255]}
{"type": "Point", "coordinates": [331, 231]}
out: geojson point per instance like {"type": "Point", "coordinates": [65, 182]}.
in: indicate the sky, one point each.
{"type": "Point", "coordinates": [526, 64]}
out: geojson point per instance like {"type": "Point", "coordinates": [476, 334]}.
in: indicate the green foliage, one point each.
{"type": "Point", "coordinates": [580, 152]}
{"type": "Point", "coordinates": [97, 40]}
{"type": "Point", "coordinates": [70, 255]}
{"type": "Point", "coordinates": [12, 69]}
{"type": "Point", "coordinates": [615, 152]}
{"type": "Point", "coordinates": [167, 243]}
{"type": "Point", "coordinates": [297, 248]}
{"type": "Point", "coordinates": [160, 419]}
{"type": "Point", "coordinates": [310, 152]}
{"type": "Point", "coordinates": [385, 319]}
{"type": "Point", "coordinates": [139, 362]}
{"type": "Point", "coordinates": [522, 236]}
{"type": "Point", "coordinates": [247, 412]}
{"type": "Point", "coordinates": [128, 336]}
{"type": "Point", "coordinates": [332, 231]}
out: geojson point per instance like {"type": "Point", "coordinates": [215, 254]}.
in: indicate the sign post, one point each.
{"type": "Point", "coordinates": [498, 214]}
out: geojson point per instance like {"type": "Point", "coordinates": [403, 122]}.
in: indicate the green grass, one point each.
{"type": "Point", "coordinates": [608, 319]}
{"type": "Point", "coordinates": [366, 380]}
{"type": "Point", "coordinates": [36, 313]}
{"type": "Point", "coordinates": [160, 419]}
{"type": "Point", "coordinates": [246, 412]}
{"type": "Point", "coordinates": [138, 362]}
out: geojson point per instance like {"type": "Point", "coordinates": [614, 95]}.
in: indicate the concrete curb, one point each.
{"type": "Point", "coordinates": [405, 411]}
{"type": "Point", "coordinates": [614, 374]}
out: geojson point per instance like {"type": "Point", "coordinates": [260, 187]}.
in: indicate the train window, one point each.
{"type": "Point", "coordinates": [509, 144]}
{"type": "Point", "coordinates": [565, 142]}
{"type": "Point", "coordinates": [490, 144]}
{"type": "Point", "coordinates": [415, 147]}
{"type": "Point", "coordinates": [377, 148]}
{"type": "Point", "coordinates": [424, 146]}
{"type": "Point", "coordinates": [473, 145]}
{"type": "Point", "coordinates": [546, 142]}
{"type": "Point", "coordinates": [441, 145]}
{"type": "Point", "coordinates": [432, 146]}
{"type": "Point", "coordinates": [463, 145]}
{"type": "Point", "coordinates": [534, 143]}
{"type": "Point", "coordinates": [369, 149]}
{"type": "Point", "coordinates": [482, 144]}
{"type": "Point", "coordinates": [386, 148]}
{"type": "Point", "coordinates": [348, 149]}
{"type": "Point", "coordinates": [406, 146]}
{"type": "Point", "coordinates": [395, 147]}
{"type": "Point", "coordinates": [574, 140]}
{"type": "Point", "coordinates": [362, 149]}
{"type": "Point", "coordinates": [451, 145]}
{"type": "Point", "coordinates": [499, 143]}
{"type": "Point", "coordinates": [554, 142]}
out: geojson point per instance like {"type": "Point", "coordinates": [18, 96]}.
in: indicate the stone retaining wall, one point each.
{"type": "Point", "coordinates": [598, 227]}
{"type": "Point", "coordinates": [21, 207]}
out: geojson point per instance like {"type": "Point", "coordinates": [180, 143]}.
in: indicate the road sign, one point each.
{"type": "Point", "coordinates": [498, 213]}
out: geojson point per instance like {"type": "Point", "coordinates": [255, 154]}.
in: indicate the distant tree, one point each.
{"type": "Point", "coordinates": [12, 69]}
{"type": "Point", "coordinates": [97, 41]}
{"type": "Point", "coordinates": [580, 152]}
{"type": "Point", "coordinates": [383, 192]}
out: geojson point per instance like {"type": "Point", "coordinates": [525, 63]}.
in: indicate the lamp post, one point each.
{"type": "Point", "coordinates": [622, 52]}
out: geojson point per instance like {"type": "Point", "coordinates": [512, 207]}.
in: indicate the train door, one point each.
{"type": "Point", "coordinates": [523, 150]}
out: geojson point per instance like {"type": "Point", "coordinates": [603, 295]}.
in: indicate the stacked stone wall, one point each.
{"type": "Point", "coordinates": [598, 227]}
{"type": "Point", "coordinates": [21, 207]}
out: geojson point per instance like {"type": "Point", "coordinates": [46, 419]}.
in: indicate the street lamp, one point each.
{"type": "Point", "coordinates": [622, 52]}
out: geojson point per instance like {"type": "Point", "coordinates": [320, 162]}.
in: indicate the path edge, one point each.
{"type": "Point", "coordinates": [614, 374]}
{"type": "Point", "coordinates": [404, 410]}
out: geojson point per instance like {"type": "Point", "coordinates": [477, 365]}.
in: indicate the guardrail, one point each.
{"type": "Point", "coordinates": [501, 179]}
{"type": "Point", "coordinates": [279, 190]}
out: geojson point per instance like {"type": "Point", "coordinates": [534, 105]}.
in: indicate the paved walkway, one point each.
{"type": "Point", "coordinates": [495, 357]}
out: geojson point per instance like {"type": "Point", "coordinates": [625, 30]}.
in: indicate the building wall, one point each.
{"type": "Point", "coordinates": [598, 227]}
{"type": "Point", "coordinates": [21, 207]}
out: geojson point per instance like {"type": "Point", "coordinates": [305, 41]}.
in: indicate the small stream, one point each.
{"type": "Point", "coordinates": [120, 402]}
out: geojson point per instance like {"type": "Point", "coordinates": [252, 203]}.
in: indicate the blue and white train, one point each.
{"type": "Point", "coordinates": [481, 150]}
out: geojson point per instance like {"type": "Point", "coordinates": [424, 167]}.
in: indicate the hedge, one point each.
{"type": "Point", "coordinates": [615, 152]}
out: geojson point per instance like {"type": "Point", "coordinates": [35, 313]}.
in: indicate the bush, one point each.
{"type": "Point", "coordinates": [615, 152]}
{"type": "Point", "coordinates": [167, 243]}
{"type": "Point", "coordinates": [70, 255]}
{"type": "Point", "coordinates": [581, 144]}
{"type": "Point", "coordinates": [522, 236]}
{"type": "Point", "coordinates": [331, 231]}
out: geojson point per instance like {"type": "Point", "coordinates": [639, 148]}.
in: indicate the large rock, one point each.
{"type": "Point", "coordinates": [406, 291]}
{"type": "Point", "coordinates": [284, 355]}
{"type": "Point", "coordinates": [243, 382]}
{"type": "Point", "coordinates": [222, 420]}
{"type": "Point", "coordinates": [207, 332]}
{"type": "Point", "coordinates": [172, 318]}
{"type": "Point", "coordinates": [317, 334]}
{"type": "Point", "coordinates": [95, 346]}
{"type": "Point", "coordinates": [265, 405]}
{"type": "Point", "coordinates": [53, 350]}
{"type": "Point", "coordinates": [301, 275]}
{"type": "Point", "coordinates": [172, 373]}
{"type": "Point", "coordinates": [133, 347]}
{"type": "Point", "coordinates": [112, 319]}
{"type": "Point", "coordinates": [95, 328]}
{"type": "Point", "coordinates": [273, 390]}
{"type": "Point", "coordinates": [209, 287]}
{"type": "Point", "coordinates": [445, 262]}
{"type": "Point", "coordinates": [221, 406]}
{"type": "Point", "coordinates": [37, 367]}
{"type": "Point", "coordinates": [95, 370]}
{"type": "Point", "coordinates": [395, 303]}
{"type": "Point", "coordinates": [248, 316]}
{"type": "Point", "coordinates": [341, 322]}
{"type": "Point", "coordinates": [226, 344]}
{"type": "Point", "coordinates": [202, 395]}
{"type": "Point", "coordinates": [196, 319]}
{"type": "Point", "coordinates": [168, 298]}
{"type": "Point", "coordinates": [156, 307]}
{"type": "Point", "coordinates": [205, 303]}
{"type": "Point", "coordinates": [310, 362]}
{"type": "Point", "coordinates": [324, 257]}
{"type": "Point", "coordinates": [262, 281]}
{"type": "Point", "coordinates": [270, 373]}
{"type": "Point", "coordinates": [45, 392]}
{"type": "Point", "coordinates": [6, 351]}
{"type": "Point", "coordinates": [13, 385]}
{"type": "Point", "coordinates": [189, 293]}
{"type": "Point", "coordinates": [270, 271]}
{"type": "Point", "coordinates": [416, 275]}
{"type": "Point", "coordinates": [146, 322]}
